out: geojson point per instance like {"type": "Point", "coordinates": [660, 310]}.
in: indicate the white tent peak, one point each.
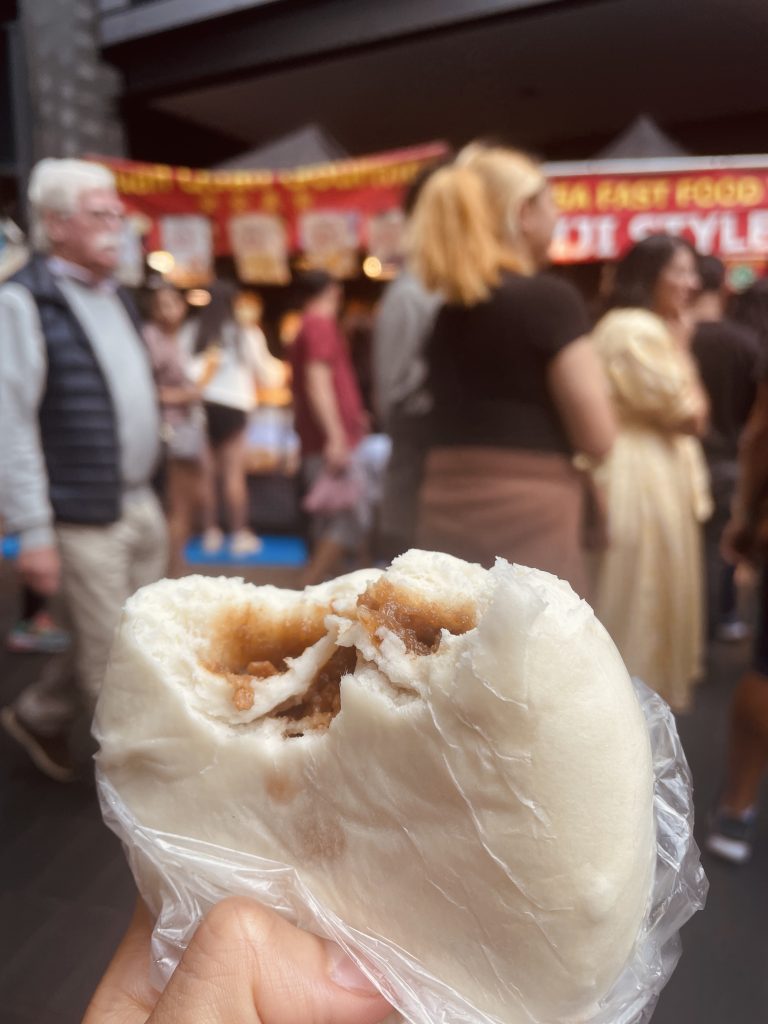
{"type": "Point", "coordinates": [303, 147]}
{"type": "Point", "coordinates": [641, 138]}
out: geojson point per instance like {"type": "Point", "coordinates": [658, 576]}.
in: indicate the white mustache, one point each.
{"type": "Point", "coordinates": [107, 240]}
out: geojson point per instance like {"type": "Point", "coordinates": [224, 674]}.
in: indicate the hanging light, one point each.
{"type": "Point", "coordinates": [198, 296]}
{"type": "Point", "coordinates": [372, 266]}
{"type": "Point", "coordinates": [161, 261]}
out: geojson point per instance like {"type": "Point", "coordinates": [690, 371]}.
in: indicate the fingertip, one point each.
{"type": "Point", "coordinates": [344, 972]}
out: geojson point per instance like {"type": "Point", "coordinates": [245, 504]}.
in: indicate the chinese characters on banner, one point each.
{"type": "Point", "coordinates": [722, 211]}
{"type": "Point", "coordinates": [336, 212]}
{"type": "Point", "coordinates": [330, 213]}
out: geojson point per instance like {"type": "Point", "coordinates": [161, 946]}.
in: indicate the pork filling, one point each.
{"type": "Point", "coordinates": [250, 647]}
{"type": "Point", "coordinates": [418, 622]}
{"type": "Point", "coordinates": [321, 702]}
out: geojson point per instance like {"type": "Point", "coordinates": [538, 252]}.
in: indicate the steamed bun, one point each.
{"type": "Point", "coordinates": [452, 759]}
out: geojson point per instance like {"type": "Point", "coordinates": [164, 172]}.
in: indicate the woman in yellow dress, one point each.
{"type": "Point", "coordinates": [648, 586]}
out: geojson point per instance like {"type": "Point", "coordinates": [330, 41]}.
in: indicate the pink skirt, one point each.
{"type": "Point", "coordinates": [480, 503]}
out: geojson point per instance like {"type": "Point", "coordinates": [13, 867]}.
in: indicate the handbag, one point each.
{"type": "Point", "coordinates": [186, 440]}
{"type": "Point", "coordinates": [335, 492]}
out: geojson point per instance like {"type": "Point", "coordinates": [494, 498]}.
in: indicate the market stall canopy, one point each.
{"type": "Point", "coordinates": [305, 146]}
{"type": "Point", "coordinates": [641, 139]}
{"type": "Point", "coordinates": [328, 212]}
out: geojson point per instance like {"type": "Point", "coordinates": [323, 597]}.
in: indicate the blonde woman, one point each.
{"type": "Point", "coordinates": [649, 583]}
{"type": "Point", "coordinates": [517, 388]}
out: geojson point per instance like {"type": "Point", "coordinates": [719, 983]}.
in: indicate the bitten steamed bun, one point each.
{"type": "Point", "coordinates": [451, 758]}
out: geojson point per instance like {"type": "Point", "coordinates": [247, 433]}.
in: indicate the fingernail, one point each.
{"type": "Point", "coordinates": [346, 974]}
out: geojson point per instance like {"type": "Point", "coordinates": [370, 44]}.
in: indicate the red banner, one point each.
{"type": "Point", "coordinates": [329, 212]}
{"type": "Point", "coordinates": [722, 210]}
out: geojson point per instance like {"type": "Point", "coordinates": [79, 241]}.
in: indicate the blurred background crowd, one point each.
{"type": "Point", "coordinates": [483, 407]}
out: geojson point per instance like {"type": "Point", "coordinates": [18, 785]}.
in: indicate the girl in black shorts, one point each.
{"type": "Point", "coordinates": [231, 359]}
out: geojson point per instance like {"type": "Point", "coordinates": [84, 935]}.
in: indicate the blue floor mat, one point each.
{"type": "Point", "coordinates": [286, 552]}
{"type": "Point", "coordinates": [10, 547]}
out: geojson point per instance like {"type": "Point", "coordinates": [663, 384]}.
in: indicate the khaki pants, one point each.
{"type": "Point", "coordinates": [101, 567]}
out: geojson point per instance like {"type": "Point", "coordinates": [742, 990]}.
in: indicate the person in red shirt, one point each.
{"type": "Point", "coordinates": [330, 421]}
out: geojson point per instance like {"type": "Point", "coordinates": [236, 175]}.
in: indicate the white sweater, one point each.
{"type": "Point", "coordinates": [240, 369]}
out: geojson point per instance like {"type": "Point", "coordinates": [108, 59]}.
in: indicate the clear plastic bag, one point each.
{"type": "Point", "coordinates": [181, 878]}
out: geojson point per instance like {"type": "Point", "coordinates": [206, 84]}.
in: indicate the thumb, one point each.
{"type": "Point", "coordinates": [246, 964]}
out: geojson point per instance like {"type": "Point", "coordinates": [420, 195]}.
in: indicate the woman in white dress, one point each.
{"type": "Point", "coordinates": [648, 586]}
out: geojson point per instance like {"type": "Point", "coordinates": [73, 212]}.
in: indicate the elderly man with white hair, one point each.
{"type": "Point", "coordinates": [80, 434]}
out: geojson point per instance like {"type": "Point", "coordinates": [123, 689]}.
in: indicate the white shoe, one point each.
{"type": "Point", "coordinates": [245, 543]}
{"type": "Point", "coordinates": [733, 632]}
{"type": "Point", "coordinates": [49, 754]}
{"type": "Point", "coordinates": [731, 837]}
{"type": "Point", "coordinates": [213, 540]}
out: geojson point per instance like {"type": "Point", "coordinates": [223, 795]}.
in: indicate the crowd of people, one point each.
{"type": "Point", "coordinates": [622, 450]}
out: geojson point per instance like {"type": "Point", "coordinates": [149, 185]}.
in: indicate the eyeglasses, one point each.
{"type": "Point", "coordinates": [104, 214]}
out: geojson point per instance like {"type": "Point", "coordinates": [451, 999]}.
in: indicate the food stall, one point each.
{"type": "Point", "coordinates": [719, 203]}
{"type": "Point", "coordinates": [189, 226]}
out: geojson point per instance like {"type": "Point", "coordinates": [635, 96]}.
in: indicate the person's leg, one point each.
{"type": "Point", "coordinates": [748, 746]}
{"type": "Point", "coordinates": [48, 705]}
{"type": "Point", "coordinates": [146, 539]}
{"type": "Point", "coordinates": [327, 556]}
{"type": "Point", "coordinates": [723, 618]}
{"type": "Point", "coordinates": [31, 603]}
{"type": "Point", "coordinates": [209, 469]}
{"type": "Point", "coordinates": [181, 499]}
{"type": "Point", "coordinates": [95, 573]}
{"type": "Point", "coordinates": [232, 460]}
{"type": "Point", "coordinates": [338, 537]}
{"type": "Point", "coordinates": [732, 827]}
{"type": "Point", "coordinates": [101, 566]}
{"type": "Point", "coordinates": [714, 571]}
{"type": "Point", "coordinates": [402, 483]}
{"type": "Point", "coordinates": [51, 719]}
{"type": "Point", "coordinates": [41, 718]}
{"type": "Point", "coordinates": [326, 550]}
{"type": "Point", "coordinates": [232, 457]}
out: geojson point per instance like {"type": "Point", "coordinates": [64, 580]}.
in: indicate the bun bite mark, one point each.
{"type": "Point", "coordinates": [252, 643]}
{"type": "Point", "coordinates": [418, 622]}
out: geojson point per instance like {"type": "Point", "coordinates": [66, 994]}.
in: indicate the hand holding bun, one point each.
{"type": "Point", "coordinates": [245, 964]}
{"type": "Point", "coordinates": [452, 760]}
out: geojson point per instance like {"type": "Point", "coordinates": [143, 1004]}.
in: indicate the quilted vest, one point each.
{"type": "Point", "coordinates": [78, 426]}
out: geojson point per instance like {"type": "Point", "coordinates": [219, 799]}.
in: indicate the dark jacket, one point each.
{"type": "Point", "coordinates": [78, 425]}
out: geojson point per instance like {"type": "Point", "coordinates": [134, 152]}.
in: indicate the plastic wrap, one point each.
{"type": "Point", "coordinates": [181, 878]}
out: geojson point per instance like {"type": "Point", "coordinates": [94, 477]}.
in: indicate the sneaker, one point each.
{"type": "Point", "coordinates": [49, 754]}
{"type": "Point", "coordinates": [213, 540]}
{"type": "Point", "coordinates": [245, 543]}
{"type": "Point", "coordinates": [39, 635]}
{"type": "Point", "coordinates": [733, 632]}
{"type": "Point", "coordinates": [730, 838]}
